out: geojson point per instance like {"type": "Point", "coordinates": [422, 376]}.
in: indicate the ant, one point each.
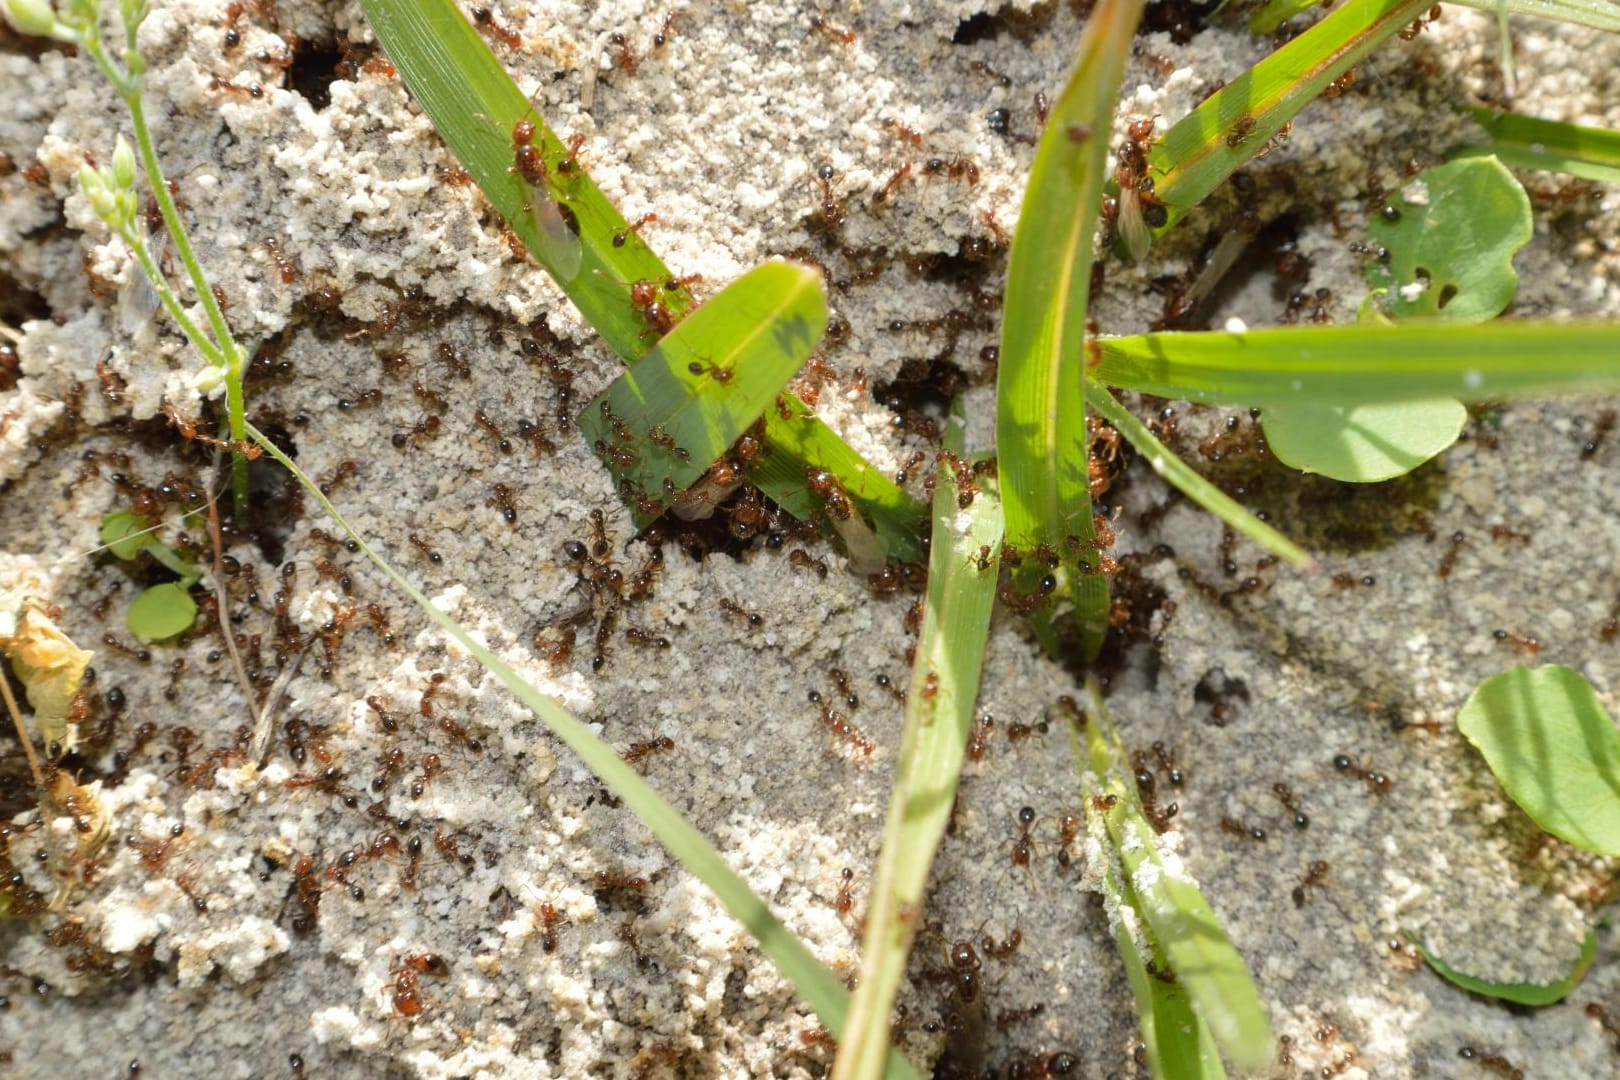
{"type": "Point", "coordinates": [639, 751]}
{"type": "Point", "coordinates": [550, 918]}
{"type": "Point", "coordinates": [1285, 795]}
{"type": "Point", "coordinates": [407, 991]}
{"type": "Point", "coordinates": [501, 499]}
{"type": "Point", "coordinates": [284, 265]}
{"type": "Point", "coordinates": [800, 558]}
{"type": "Point", "coordinates": [845, 901]}
{"type": "Point", "coordinates": [623, 235]}
{"type": "Point", "coordinates": [1023, 847]}
{"type": "Point", "coordinates": [1377, 781]}
{"type": "Point", "coordinates": [719, 374]}
{"type": "Point", "coordinates": [831, 31]}
{"type": "Point", "coordinates": [506, 35]}
{"type": "Point", "coordinates": [1314, 874]}
{"type": "Point", "coordinates": [731, 607]}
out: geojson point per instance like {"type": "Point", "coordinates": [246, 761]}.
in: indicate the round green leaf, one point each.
{"type": "Point", "coordinates": [1362, 444]}
{"type": "Point", "coordinates": [1556, 752]}
{"type": "Point", "coordinates": [161, 612]}
{"type": "Point", "coordinates": [1451, 250]}
{"type": "Point", "coordinates": [124, 533]}
{"type": "Point", "coordinates": [1520, 993]}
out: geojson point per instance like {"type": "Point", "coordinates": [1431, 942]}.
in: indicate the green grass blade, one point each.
{"type": "Point", "coordinates": [1538, 995]}
{"type": "Point", "coordinates": [474, 104]}
{"type": "Point", "coordinates": [1184, 478]}
{"type": "Point", "coordinates": [1353, 365]}
{"type": "Point", "coordinates": [796, 441]}
{"type": "Point", "coordinates": [1040, 412]}
{"type": "Point", "coordinates": [818, 986]}
{"type": "Point", "coordinates": [1186, 931]}
{"type": "Point", "coordinates": [1179, 1045]}
{"type": "Point", "coordinates": [1598, 14]}
{"type": "Point", "coordinates": [1526, 142]}
{"type": "Point", "coordinates": [1221, 135]}
{"type": "Point", "coordinates": [950, 654]}
{"type": "Point", "coordinates": [660, 424]}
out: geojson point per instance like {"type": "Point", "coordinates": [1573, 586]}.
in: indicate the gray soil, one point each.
{"type": "Point", "coordinates": [222, 932]}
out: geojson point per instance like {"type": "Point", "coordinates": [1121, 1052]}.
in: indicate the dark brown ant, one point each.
{"type": "Point", "coordinates": [1285, 795]}
{"type": "Point", "coordinates": [1375, 780]}
{"type": "Point", "coordinates": [1237, 828]}
{"type": "Point", "coordinates": [1448, 561]}
{"type": "Point", "coordinates": [389, 722]}
{"type": "Point", "coordinates": [623, 234]}
{"type": "Point", "coordinates": [1003, 949]}
{"type": "Point", "coordinates": [840, 679]}
{"type": "Point", "coordinates": [979, 67]}
{"type": "Point", "coordinates": [831, 31]}
{"type": "Point", "coordinates": [1313, 878]}
{"type": "Point", "coordinates": [889, 688]}
{"type": "Point", "coordinates": [953, 168]}
{"type": "Point", "coordinates": [446, 846]}
{"type": "Point", "coordinates": [501, 499]}
{"type": "Point", "coordinates": [431, 400]}
{"type": "Point", "coordinates": [1240, 131]}
{"type": "Point", "coordinates": [482, 421]}
{"type": "Point", "coordinates": [431, 767]}
{"type": "Point", "coordinates": [645, 638]}
{"type": "Point", "coordinates": [731, 607]}
{"type": "Point", "coordinates": [422, 546]}
{"type": "Point", "coordinates": [1597, 1012]}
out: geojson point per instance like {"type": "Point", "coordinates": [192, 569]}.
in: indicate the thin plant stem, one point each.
{"type": "Point", "coordinates": [223, 601]}
{"type": "Point", "coordinates": [22, 733]}
{"type": "Point", "coordinates": [171, 303]}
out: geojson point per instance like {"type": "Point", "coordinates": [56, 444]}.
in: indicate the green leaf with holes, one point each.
{"type": "Point", "coordinates": [1451, 236]}
{"type": "Point", "coordinates": [1555, 750]}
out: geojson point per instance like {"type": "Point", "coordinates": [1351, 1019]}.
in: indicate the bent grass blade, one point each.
{"type": "Point", "coordinates": [660, 424]}
{"type": "Point", "coordinates": [1040, 410]}
{"type": "Point", "coordinates": [818, 986]}
{"type": "Point", "coordinates": [474, 105]}
{"type": "Point", "coordinates": [1184, 478]}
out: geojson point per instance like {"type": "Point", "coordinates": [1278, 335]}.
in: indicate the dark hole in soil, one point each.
{"type": "Point", "coordinates": [314, 69]}
{"type": "Point", "coordinates": [18, 305]}
{"type": "Point", "coordinates": [1181, 19]}
{"type": "Point", "coordinates": [1219, 691]}
{"type": "Point", "coordinates": [275, 502]}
